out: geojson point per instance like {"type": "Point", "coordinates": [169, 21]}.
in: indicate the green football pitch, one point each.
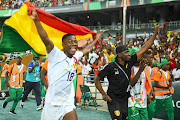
{"type": "Point", "coordinates": [29, 112]}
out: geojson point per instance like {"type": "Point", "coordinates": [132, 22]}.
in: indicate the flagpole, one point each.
{"type": "Point", "coordinates": [124, 21]}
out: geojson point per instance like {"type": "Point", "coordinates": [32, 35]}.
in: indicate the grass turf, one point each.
{"type": "Point", "coordinates": [29, 112]}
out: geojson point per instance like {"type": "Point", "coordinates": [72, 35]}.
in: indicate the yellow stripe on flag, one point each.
{"type": "Point", "coordinates": [25, 26]}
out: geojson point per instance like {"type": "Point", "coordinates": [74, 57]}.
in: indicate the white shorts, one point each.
{"type": "Point", "coordinates": [51, 112]}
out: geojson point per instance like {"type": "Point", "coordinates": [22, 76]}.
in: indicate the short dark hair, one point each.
{"type": "Point", "coordinates": [121, 48]}
{"type": "Point", "coordinates": [66, 35]}
{"type": "Point", "coordinates": [34, 56]}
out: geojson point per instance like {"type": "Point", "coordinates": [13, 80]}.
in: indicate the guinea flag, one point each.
{"type": "Point", "coordinates": [19, 32]}
{"type": "Point", "coordinates": [117, 113]}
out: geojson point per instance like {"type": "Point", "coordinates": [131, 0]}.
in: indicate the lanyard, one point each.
{"type": "Point", "coordinates": [129, 86]}
{"type": "Point", "coordinates": [36, 69]}
{"type": "Point", "coordinates": [140, 82]}
{"type": "Point", "coordinates": [122, 70]}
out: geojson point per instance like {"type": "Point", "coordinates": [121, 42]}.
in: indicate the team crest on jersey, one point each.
{"type": "Point", "coordinates": [75, 66]}
{"type": "Point", "coordinates": [117, 113]}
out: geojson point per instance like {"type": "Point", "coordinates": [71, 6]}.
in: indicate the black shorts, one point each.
{"type": "Point", "coordinates": [118, 110]}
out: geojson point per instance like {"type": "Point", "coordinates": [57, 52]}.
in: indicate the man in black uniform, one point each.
{"type": "Point", "coordinates": [118, 74]}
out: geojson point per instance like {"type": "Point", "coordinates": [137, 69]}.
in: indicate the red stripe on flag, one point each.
{"type": "Point", "coordinates": [60, 24]}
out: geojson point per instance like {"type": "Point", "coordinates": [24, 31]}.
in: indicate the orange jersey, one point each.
{"type": "Point", "coordinates": [153, 72]}
{"type": "Point", "coordinates": [45, 66]}
{"type": "Point", "coordinates": [16, 75]}
{"type": "Point", "coordinates": [5, 69]}
{"type": "Point", "coordinates": [160, 77]}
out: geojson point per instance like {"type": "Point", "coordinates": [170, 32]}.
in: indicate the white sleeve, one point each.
{"type": "Point", "coordinates": [96, 56]}
{"type": "Point", "coordinates": [78, 55]}
{"type": "Point", "coordinates": [89, 68]}
{"type": "Point", "coordinates": [173, 72]}
{"type": "Point", "coordinates": [54, 54]}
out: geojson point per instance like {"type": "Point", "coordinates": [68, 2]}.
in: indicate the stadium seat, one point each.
{"type": "Point", "coordinates": [87, 96]}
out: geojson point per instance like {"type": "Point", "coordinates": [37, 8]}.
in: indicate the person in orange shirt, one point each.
{"type": "Point", "coordinates": [15, 83]}
{"type": "Point", "coordinates": [164, 89]}
{"type": "Point", "coordinates": [3, 79]}
{"type": "Point", "coordinates": [44, 78]}
{"type": "Point", "coordinates": [41, 83]}
{"type": "Point", "coordinates": [43, 60]}
{"type": "Point", "coordinates": [96, 67]}
{"type": "Point", "coordinates": [79, 69]}
{"type": "Point", "coordinates": [154, 70]}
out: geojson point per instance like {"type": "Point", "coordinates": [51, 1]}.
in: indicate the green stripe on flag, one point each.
{"type": "Point", "coordinates": [18, 44]}
{"type": "Point", "coordinates": [9, 35]}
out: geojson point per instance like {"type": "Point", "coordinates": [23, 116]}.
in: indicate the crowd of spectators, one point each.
{"type": "Point", "coordinates": [16, 4]}
{"type": "Point", "coordinates": [12, 55]}
{"type": "Point", "coordinates": [166, 46]}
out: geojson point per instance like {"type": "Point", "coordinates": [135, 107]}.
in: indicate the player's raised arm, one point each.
{"type": "Point", "coordinates": [148, 44]}
{"type": "Point", "coordinates": [42, 33]}
{"type": "Point", "coordinates": [89, 47]}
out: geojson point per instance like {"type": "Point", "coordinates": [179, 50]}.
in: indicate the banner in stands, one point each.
{"type": "Point", "coordinates": [176, 103]}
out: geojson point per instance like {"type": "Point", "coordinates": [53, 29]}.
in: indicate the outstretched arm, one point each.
{"type": "Point", "coordinates": [137, 76]}
{"type": "Point", "coordinates": [99, 87]}
{"type": "Point", "coordinates": [42, 33]}
{"type": "Point", "coordinates": [148, 44]}
{"type": "Point", "coordinates": [89, 47]}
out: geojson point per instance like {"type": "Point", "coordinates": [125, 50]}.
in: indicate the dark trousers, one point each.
{"type": "Point", "coordinates": [36, 87]}
{"type": "Point", "coordinates": [118, 110]}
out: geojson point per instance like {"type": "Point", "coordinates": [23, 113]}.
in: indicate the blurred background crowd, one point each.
{"type": "Point", "coordinates": [16, 4]}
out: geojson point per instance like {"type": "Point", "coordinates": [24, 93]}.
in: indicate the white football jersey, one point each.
{"type": "Point", "coordinates": [61, 73]}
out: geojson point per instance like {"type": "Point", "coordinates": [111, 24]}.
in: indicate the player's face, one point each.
{"type": "Point", "coordinates": [125, 55]}
{"type": "Point", "coordinates": [70, 45]}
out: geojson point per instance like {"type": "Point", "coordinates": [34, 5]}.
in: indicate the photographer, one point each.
{"type": "Point", "coordinates": [32, 82]}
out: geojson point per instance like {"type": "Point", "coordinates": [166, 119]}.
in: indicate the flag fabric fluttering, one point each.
{"type": "Point", "coordinates": [19, 32]}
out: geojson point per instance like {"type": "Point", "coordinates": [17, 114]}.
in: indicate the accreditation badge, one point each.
{"type": "Point", "coordinates": [137, 97]}
{"type": "Point", "coordinates": [34, 74]}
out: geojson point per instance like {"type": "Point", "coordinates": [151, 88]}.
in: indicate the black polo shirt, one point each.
{"type": "Point", "coordinates": [118, 82]}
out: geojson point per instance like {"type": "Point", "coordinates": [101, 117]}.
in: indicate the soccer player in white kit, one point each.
{"type": "Point", "coordinates": [59, 98]}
